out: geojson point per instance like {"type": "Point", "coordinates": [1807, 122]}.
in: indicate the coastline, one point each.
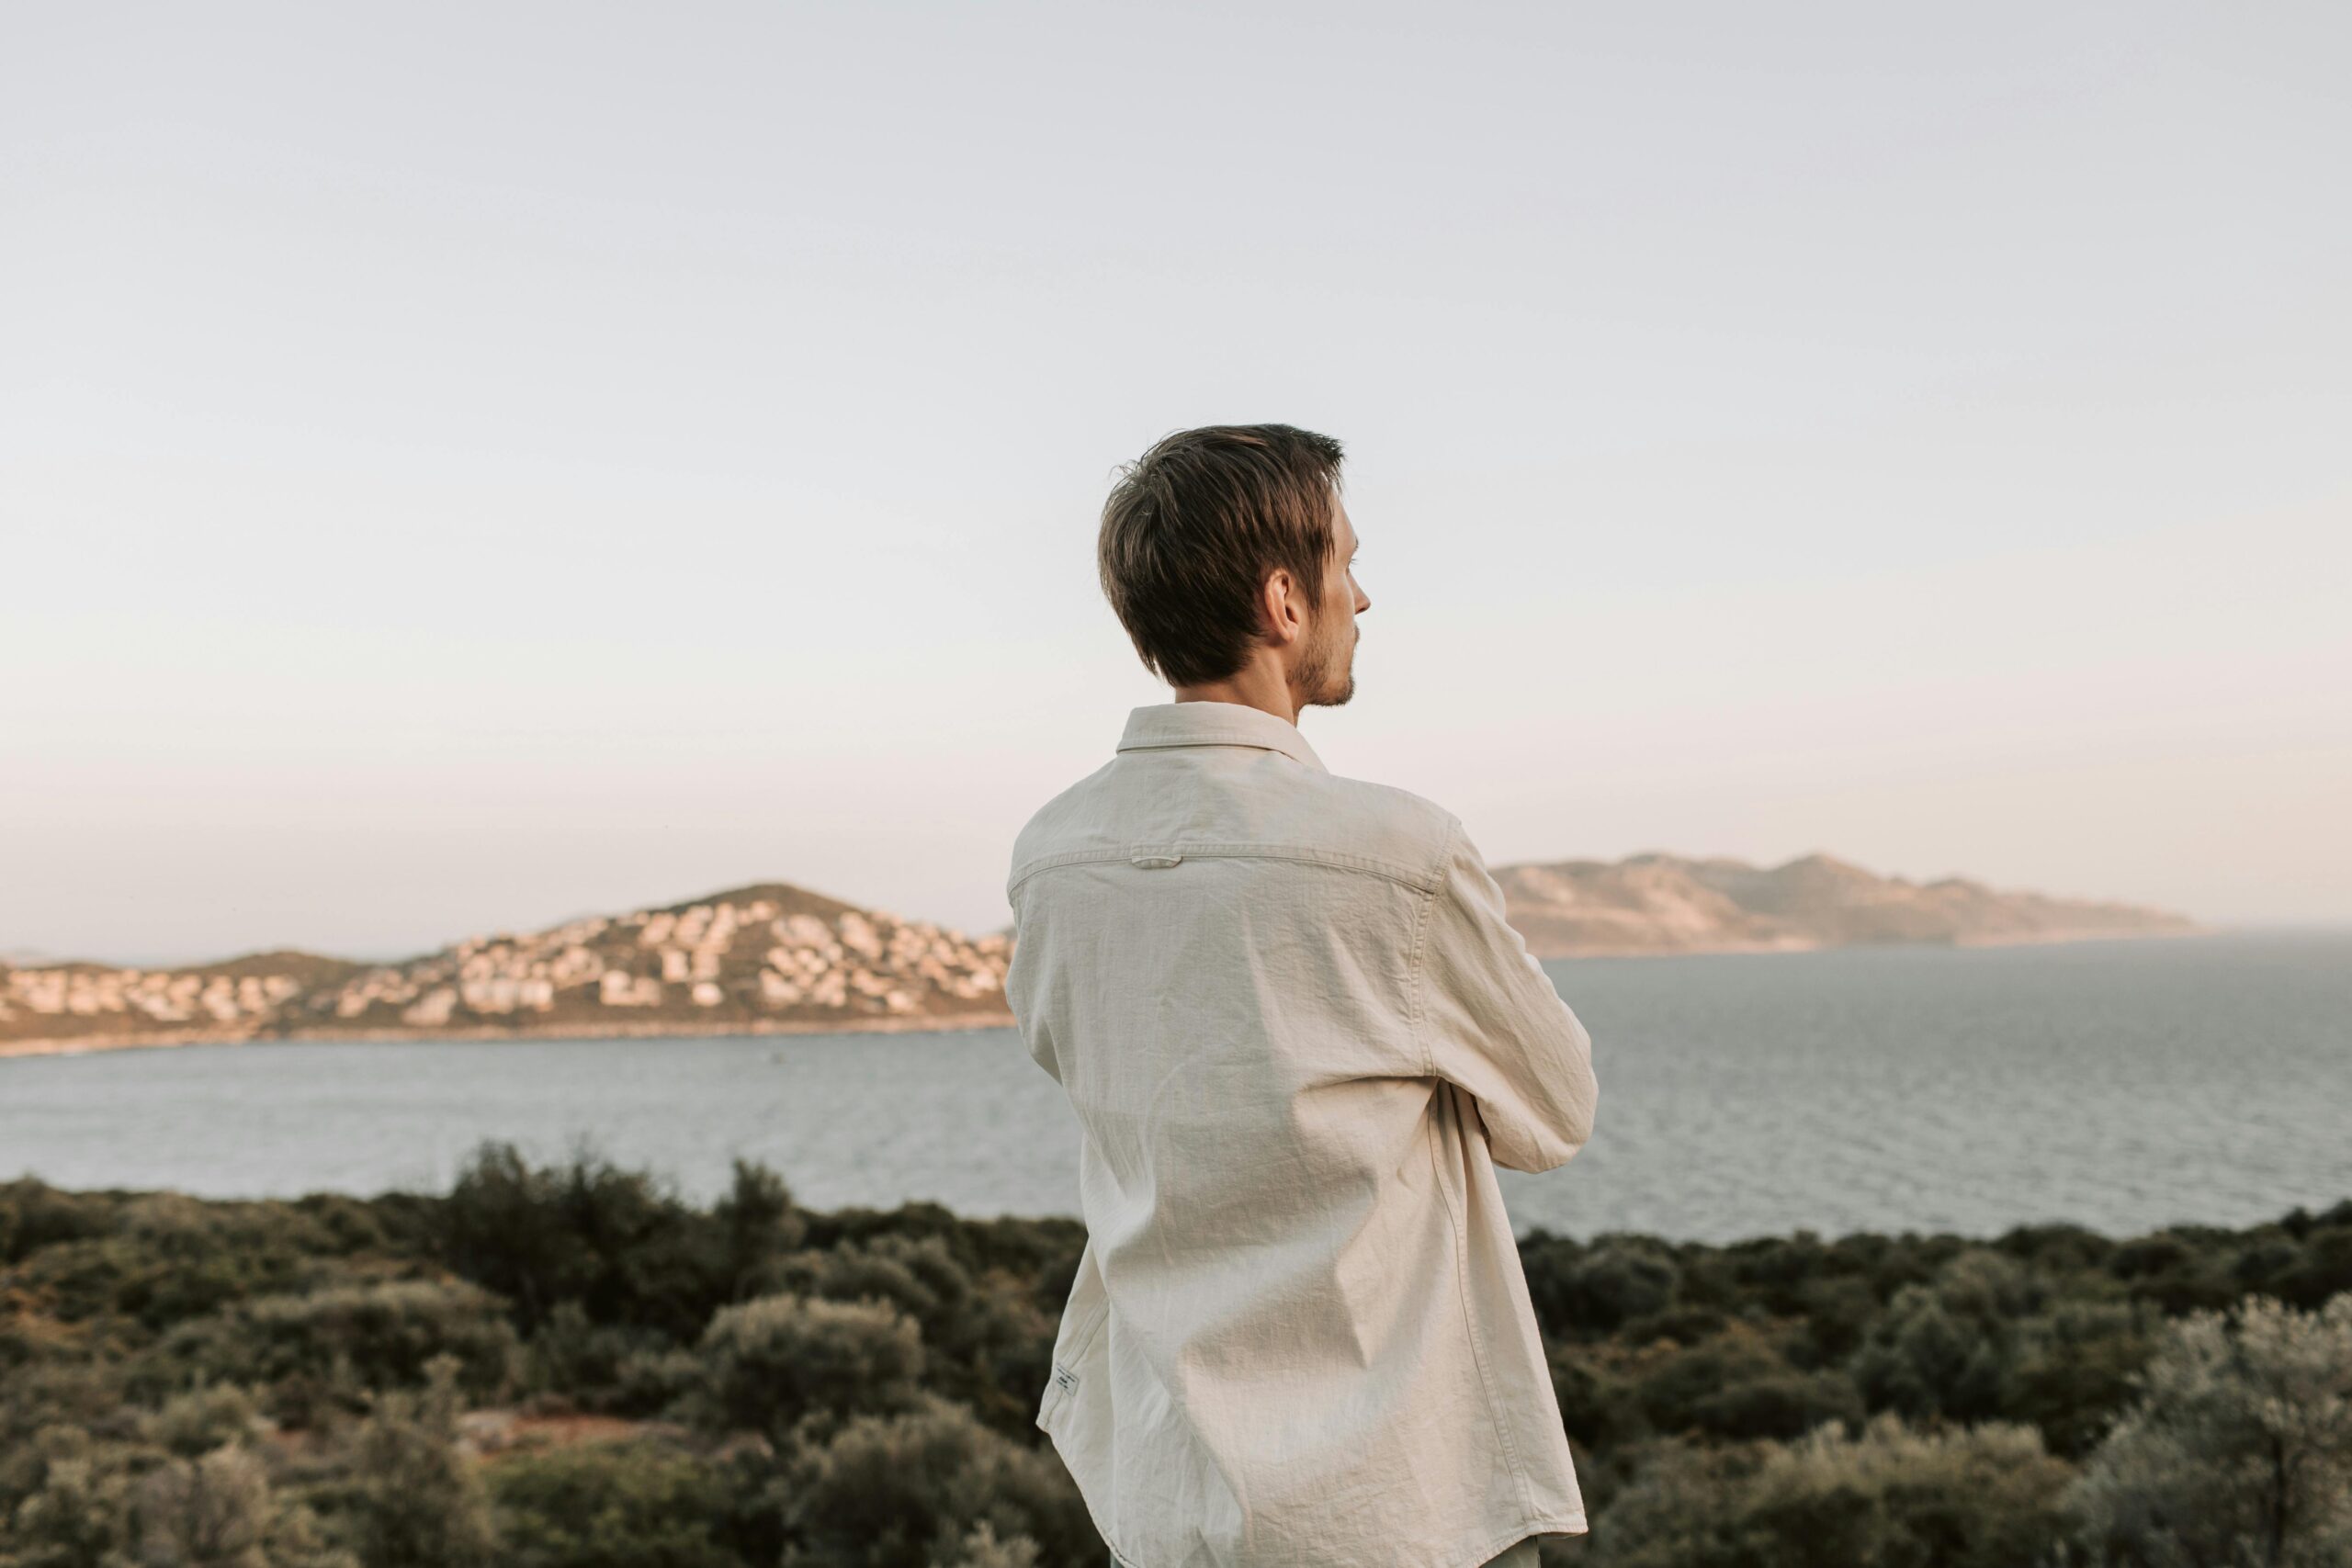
{"type": "Point", "coordinates": [91, 1044]}
{"type": "Point", "coordinates": [687, 1028]}
{"type": "Point", "coordinates": [1797, 945]}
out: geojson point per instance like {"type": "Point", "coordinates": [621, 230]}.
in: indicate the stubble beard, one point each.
{"type": "Point", "coordinates": [1328, 678]}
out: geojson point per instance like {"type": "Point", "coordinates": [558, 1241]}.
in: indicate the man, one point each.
{"type": "Point", "coordinates": [1298, 1034]}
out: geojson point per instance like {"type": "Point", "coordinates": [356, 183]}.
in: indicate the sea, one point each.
{"type": "Point", "coordinates": [2120, 1085]}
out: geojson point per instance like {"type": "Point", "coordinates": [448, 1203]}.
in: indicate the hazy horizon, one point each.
{"type": "Point", "coordinates": [461, 467]}
{"type": "Point", "coordinates": [159, 960]}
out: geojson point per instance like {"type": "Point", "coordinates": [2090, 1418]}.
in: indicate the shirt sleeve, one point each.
{"type": "Point", "coordinates": [1021, 999]}
{"type": "Point", "coordinates": [1492, 1023]}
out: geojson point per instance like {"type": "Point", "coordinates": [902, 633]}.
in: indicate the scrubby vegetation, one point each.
{"type": "Point", "coordinates": [568, 1367]}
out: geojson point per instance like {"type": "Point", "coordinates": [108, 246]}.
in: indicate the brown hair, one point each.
{"type": "Point", "coordinates": [1194, 526]}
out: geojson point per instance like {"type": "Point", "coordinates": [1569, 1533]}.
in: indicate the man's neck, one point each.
{"type": "Point", "coordinates": [1258, 684]}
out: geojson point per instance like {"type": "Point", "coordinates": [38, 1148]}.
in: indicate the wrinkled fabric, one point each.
{"type": "Point", "coordinates": [1298, 1034]}
{"type": "Point", "coordinates": [1521, 1554]}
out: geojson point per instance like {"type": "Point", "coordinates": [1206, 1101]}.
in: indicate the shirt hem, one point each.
{"type": "Point", "coordinates": [1533, 1523]}
{"type": "Point", "coordinates": [1547, 1524]}
{"type": "Point", "coordinates": [1539, 1524]}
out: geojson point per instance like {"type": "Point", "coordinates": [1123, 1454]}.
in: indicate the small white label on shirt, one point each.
{"type": "Point", "coordinates": [1064, 1379]}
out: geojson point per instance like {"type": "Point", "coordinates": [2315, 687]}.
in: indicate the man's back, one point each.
{"type": "Point", "coordinates": [1292, 1021]}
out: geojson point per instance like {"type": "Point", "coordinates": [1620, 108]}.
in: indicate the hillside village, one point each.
{"type": "Point", "coordinates": [771, 957]}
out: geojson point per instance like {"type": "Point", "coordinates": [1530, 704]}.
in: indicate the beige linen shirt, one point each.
{"type": "Point", "coordinates": [1298, 1034]}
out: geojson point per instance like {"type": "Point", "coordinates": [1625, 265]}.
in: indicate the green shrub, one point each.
{"type": "Point", "coordinates": [195, 1423]}
{"type": "Point", "coordinates": [913, 1488]}
{"type": "Point", "coordinates": [771, 1362]}
{"type": "Point", "coordinates": [616, 1242]}
{"type": "Point", "coordinates": [414, 1501]}
{"type": "Point", "coordinates": [34, 1215]}
{"type": "Point", "coordinates": [624, 1505]}
{"type": "Point", "coordinates": [163, 1258]}
{"type": "Point", "coordinates": [352, 1337]}
{"type": "Point", "coordinates": [1582, 1292]}
{"type": "Point", "coordinates": [2073, 1370]}
{"type": "Point", "coordinates": [2238, 1447]}
{"type": "Point", "coordinates": [610, 1368]}
{"type": "Point", "coordinates": [1891, 1498]}
{"type": "Point", "coordinates": [63, 1502]}
{"type": "Point", "coordinates": [1738, 1386]}
{"type": "Point", "coordinates": [217, 1511]}
{"type": "Point", "coordinates": [984, 1345]}
{"type": "Point", "coordinates": [541, 1237]}
{"type": "Point", "coordinates": [1922, 1360]}
{"type": "Point", "coordinates": [62, 1395]}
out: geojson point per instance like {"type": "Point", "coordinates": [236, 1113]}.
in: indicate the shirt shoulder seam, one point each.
{"type": "Point", "coordinates": [1342, 860]}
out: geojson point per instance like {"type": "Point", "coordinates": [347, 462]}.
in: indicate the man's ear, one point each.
{"type": "Point", "coordinates": [1285, 620]}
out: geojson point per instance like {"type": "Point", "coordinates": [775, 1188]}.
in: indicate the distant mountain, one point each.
{"type": "Point", "coordinates": [1660, 903]}
{"type": "Point", "coordinates": [770, 957]}
{"type": "Point", "coordinates": [776, 958]}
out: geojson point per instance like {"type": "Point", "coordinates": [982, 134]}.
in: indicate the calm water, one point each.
{"type": "Point", "coordinates": [2122, 1085]}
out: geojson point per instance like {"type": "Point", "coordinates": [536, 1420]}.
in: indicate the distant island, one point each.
{"type": "Point", "coordinates": [1661, 903]}
{"type": "Point", "coordinates": [773, 958]}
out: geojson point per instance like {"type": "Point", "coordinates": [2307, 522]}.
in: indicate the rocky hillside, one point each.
{"type": "Point", "coordinates": [1657, 903]}
{"type": "Point", "coordinates": [767, 957]}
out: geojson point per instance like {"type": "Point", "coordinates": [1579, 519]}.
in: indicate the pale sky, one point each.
{"type": "Point", "coordinates": [464, 466]}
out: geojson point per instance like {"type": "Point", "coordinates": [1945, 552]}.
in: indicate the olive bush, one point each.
{"type": "Point", "coordinates": [2238, 1448]}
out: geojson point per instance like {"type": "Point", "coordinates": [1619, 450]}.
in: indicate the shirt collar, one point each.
{"type": "Point", "coordinates": [1216, 724]}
